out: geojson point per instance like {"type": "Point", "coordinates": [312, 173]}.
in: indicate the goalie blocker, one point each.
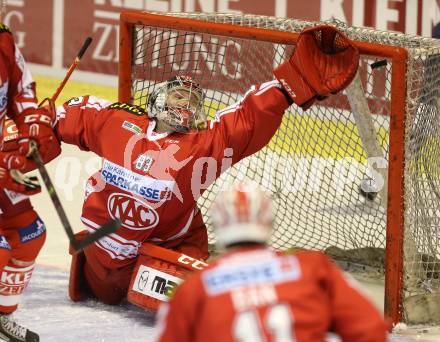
{"type": "Point", "coordinates": [157, 273]}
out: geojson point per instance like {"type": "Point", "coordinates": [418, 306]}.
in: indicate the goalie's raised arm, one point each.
{"type": "Point", "coordinates": [324, 62]}
{"type": "Point", "coordinates": [248, 126]}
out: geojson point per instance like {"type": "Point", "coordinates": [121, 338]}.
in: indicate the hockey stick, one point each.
{"type": "Point", "coordinates": [69, 72]}
{"type": "Point", "coordinates": [367, 132]}
{"type": "Point", "coordinates": [106, 229]}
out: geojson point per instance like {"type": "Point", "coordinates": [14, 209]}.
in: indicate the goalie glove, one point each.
{"type": "Point", "coordinates": [324, 62]}
{"type": "Point", "coordinates": [12, 179]}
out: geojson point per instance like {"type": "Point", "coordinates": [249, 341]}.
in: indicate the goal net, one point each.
{"type": "Point", "coordinates": [380, 135]}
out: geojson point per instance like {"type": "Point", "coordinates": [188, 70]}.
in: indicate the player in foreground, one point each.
{"type": "Point", "coordinates": [253, 293]}
{"type": "Point", "coordinates": [158, 161]}
{"type": "Point", "coordinates": [22, 232]}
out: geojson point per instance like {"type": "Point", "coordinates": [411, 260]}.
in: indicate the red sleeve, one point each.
{"type": "Point", "coordinates": [80, 122]}
{"type": "Point", "coordinates": [21, 87]}
{"type": "Point", "coordinates": [354, 318]}
{"type": "Point", "coordinates": [177, 320]}
{"type": "Point", "coordinates": [248, 126]}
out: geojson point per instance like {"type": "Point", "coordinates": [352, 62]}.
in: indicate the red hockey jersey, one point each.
{"type": "Point", "coordinates": [17, 88]}
{"type": "Point", "coordinates": [11, 203]}
{"type": "Point", "coordinates": [258, 295]}
{"type": "Point", "coordinates": [151, 181]}
{"type": "Point", "coordinates": [17, 95]}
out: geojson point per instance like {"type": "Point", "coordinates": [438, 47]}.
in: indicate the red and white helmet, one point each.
{"type": "Point", "coordinates": [182, 115]}
{"type": "Point", "coordinates": [242, 215]}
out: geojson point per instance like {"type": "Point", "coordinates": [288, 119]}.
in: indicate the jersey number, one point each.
{"type": "Point", "coordinates": [278, 321]}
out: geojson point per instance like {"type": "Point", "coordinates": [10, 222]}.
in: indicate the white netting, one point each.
{"type": "Point", "coordinates": [314, 165]}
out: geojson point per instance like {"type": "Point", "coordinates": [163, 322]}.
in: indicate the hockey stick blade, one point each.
{"type": "Point", "coordinates": [108, 228]}
{"type": "Point", "coordinates": [84, 47]}
{"type": "Point", "coordinates": [378, 64]}
{"type": "Point", "coordinates": [102, 231]}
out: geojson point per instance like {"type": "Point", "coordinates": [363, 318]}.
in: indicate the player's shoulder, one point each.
{"type": "Point", "coordinates": [129, 108]}
{"type": "Point", "coordinates": [4, 28]}
{"type": "Point", "coordinates": [130, 117]}
{"type": "Point", "coordinates": [87, 101]}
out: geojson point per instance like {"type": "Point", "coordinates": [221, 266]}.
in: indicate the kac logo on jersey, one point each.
{"type": "Point", "coordinates": [133, 213]}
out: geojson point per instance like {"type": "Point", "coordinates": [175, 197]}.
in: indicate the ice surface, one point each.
{"type": "Point", "coordinates": [47, 310]}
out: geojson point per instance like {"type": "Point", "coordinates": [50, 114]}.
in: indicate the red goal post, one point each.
{"type": "Point", "coordinates": [320, 219]}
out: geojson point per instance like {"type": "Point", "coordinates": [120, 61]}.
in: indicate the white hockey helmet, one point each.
{"type": "Point", "coordinates": [242, 215]}
{"type": "Point", "coordinates": [179, 102]}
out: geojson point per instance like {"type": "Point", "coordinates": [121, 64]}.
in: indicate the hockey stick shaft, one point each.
{"type": "Point", "coordinates": [367, 132]}
{"type": "Point", "coordinates": [72, 68]}
{"type": "Point", "coordinates": [69, 72]}
{"type": "Point", "coordinates": [108, 228]}
{"type": "Point", "coordinates": [52, 192]}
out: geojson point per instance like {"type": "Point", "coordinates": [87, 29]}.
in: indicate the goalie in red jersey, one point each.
{"type": "Point", "coordinates": [158, 161]}
{"type": "Point", "coordinates": [252, 293]}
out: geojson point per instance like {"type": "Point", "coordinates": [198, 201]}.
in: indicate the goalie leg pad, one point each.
{"type": "Point", "coordinates": [153, 282]}
{"type": "Point", "coordinates": [157, 273]}
{"type": "Point", "coordinates": [112, 288]}
{"type": "Point", "coordinates": [78, 288]}
{"type": "Point", "coordinates": [194, 243]}
{"type": "Point", "coordinates": [89, 279]}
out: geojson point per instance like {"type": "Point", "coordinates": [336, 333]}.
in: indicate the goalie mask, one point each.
{"type": "Point", "coordinates": [242, 215]}
{"type": "Point", "coordinates": [178, 102]}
